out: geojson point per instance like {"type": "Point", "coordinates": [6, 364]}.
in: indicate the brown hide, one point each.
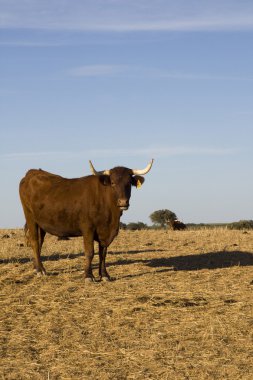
{"type": "Point", "coordinates": [177, 225]}
{"type": "Point", "coordinates": [88, 206]}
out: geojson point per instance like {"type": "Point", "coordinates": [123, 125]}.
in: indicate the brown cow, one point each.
{"type": "Point", "coordinates": [26, 232]}
{"type": "Point", "coordinates": [176, 225]}
{"type": "Point", "coordinates": [89, 206]}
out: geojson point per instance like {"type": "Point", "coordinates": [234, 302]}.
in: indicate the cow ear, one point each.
{"type": "Point", "coordinates": [137, 181]}
{"type": "Point", "coordinates": [105, 180]}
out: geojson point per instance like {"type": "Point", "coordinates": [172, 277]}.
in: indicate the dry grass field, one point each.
{"type": "Point", "coordinates": [181, 307]}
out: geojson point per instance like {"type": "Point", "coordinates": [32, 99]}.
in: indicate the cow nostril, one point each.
{"type": "Point", "coordinates": [123, 202]}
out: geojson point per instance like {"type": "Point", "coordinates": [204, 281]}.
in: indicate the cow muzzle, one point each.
{"type": "Point", "coordinates": [123, 204]}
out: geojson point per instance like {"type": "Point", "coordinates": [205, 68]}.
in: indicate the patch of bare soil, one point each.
{"type": "Point", "coordinates": [180, 308]}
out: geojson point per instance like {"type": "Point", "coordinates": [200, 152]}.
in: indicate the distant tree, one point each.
{"type": "Point", "coordinates": [162, 217]}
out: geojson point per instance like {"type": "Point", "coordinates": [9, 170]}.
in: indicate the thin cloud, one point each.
{"type": "Point", "coordinates": [25, 155]}
{"type": "Point", "coordinates": [97, 70]}
{"type": "Point", "coordinates": [127, 16]}
{"type": "Point", "coordinates": [32, 44]}
{"type": "Point", "coordinates": [147, 152]}
{"type": "Point", "coordinates": [192, 76]}
{"type": "Point", "coordinates": [166, 151]}
{"type": "Point", "coordinates": [195, 151]}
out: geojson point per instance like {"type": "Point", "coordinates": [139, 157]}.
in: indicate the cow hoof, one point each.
{"type": "Point", "coordinates": [107, 279]}
{"type": "Point", "coordinates": [41, 273]}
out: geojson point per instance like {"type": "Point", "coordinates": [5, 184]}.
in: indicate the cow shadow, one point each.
{"type": "Point", "coordinates": [210, 260]}
{"type": "Point", "coordinates": [18, 260]}
{"type": "Point", "coordinates": [53, 257]}
{"type": "Point", "coordinates": [57, 256]}
{"type": "Point", "coordinates": [135, 252]}
{"type": "Point", "coordinates": [62, 256]}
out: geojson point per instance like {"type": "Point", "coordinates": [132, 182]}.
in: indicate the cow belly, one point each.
{"type": "Point", "coordinates": [58, 223]}
{"type": "Point", "coordinates": [59, 230]}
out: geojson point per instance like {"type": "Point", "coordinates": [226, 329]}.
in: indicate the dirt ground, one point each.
{"type": "Point", "coordinates": [181, 307]}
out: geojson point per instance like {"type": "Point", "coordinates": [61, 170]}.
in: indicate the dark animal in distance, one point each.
{"type": "Point", "coordinates": [176, 225]}
{"type": "Point", "coordinates": [89, 206]}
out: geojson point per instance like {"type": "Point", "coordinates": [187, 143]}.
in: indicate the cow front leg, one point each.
{"type": "Point", "coordinates": [103, 274]}
{"type": "Point", "coordinates": [89, 254]}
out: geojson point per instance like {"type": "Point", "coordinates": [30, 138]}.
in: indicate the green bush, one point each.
{"type": "Point", "coordinates": [136, 226]}
{"type": "Point", "coordinates": [241, 225]}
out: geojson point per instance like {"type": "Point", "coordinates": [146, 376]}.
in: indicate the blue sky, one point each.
{"type": "Point", "coordinates": [121, 82]}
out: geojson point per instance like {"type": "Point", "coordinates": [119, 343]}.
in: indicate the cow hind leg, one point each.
{"type": "Point", "coordinates": [89, 254]}
{"type": "Point", "coordinates": [42, 234]}
{"type": "Point", "coordinates": [36, 238]}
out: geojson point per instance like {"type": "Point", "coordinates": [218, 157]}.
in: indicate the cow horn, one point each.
{"type": "Point", "coordinates": [103, 172]}
{"type": "Point", "coordinates": [143, 171]}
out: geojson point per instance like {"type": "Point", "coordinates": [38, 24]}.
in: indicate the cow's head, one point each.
{"type": "Point", "coordinates": [121, 179]}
